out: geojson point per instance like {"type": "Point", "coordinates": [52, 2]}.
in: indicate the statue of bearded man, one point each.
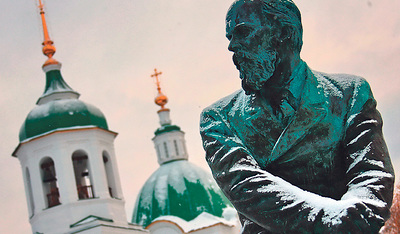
{"type": "Point", "coordinates": [295, 150]}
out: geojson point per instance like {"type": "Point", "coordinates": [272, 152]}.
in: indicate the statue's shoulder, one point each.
{"type": "Point", "coordinates": [226, 103]}
{"type": "Point", "coordinates": [340, 83]}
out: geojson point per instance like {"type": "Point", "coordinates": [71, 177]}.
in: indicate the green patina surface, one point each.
{"type": "Point", "coordinates": [166, 128]}
{"type": "Point", "coordinates": [180, 189]}
{"type": "Point", "coordinates": [296, 150]}
{"type": "Point", "coordinates": [55, 83]}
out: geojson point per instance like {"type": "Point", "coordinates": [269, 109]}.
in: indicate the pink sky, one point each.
{"type": "Point", "coordinates": [110, 48]}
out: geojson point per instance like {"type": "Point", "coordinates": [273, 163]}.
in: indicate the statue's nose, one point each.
{"type": "Point", "coordinates": [233, 45]}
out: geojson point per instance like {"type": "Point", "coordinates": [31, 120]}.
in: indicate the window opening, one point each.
{"type": "Point", "coordinates": [110, 175]}
{"type": "Point", "coordinates": [176, 148]}
{"type": "Point", "coordinates": [166, 150]}
{"type": "Point", "coordinates": [49, 181]}
{"type": "Point", "coordinates": [83, 179]}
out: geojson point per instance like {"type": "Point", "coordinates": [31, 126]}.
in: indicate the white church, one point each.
{"type": "Point", "coordinates": [71, 178]}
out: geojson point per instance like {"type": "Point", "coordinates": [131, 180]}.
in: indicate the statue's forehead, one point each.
{"type": "Point", "coordinates": [247, 14]}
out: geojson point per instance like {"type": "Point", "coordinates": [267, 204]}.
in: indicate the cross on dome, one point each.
{"type": "Point", "coordinates": [161, 99]}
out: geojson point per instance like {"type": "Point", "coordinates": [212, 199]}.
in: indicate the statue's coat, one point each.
{"type": "Point", "coordinates": [327, 171]}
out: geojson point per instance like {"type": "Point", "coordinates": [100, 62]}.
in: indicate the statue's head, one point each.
{"type": "Point", "coordinates": [262, 33]}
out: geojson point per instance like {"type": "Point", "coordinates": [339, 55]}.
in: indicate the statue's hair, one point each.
{"type": "Point", "coordinates": [283, 14]}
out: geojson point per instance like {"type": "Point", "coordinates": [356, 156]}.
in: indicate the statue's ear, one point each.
{"type": "Point", "coordinates": [285, 34]}
{"type": "Point", "coordinates": [285, 39]}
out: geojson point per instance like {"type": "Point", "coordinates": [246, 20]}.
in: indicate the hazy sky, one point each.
{"type": "Point", "coordinates": [109, 50]}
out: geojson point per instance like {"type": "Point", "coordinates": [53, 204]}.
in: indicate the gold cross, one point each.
{"type": "Point", "coordinates": [156, 74]}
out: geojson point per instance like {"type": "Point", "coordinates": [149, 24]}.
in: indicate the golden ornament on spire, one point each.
{"type": "Point", "coordinates": [161, 99]}
{"type": "Point", "coordinates": [48, 48]}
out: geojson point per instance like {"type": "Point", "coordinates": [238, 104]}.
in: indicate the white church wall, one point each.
{"type": "Point", "coordinates": [205, 223]}
{"type": "Point", "coordinates": [164, 227]}
{"type": "Point", "coordinates": [170, 146]}
{"type": "Point", "coordinates": [59, 148]}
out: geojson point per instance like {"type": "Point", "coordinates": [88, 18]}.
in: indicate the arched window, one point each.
{"type": "Point", "coordinates": [176, 148]}
{"type": "Point", "coordinates": [166, 150]}
{"type": "Point", "coordinates": [83, 179]}
{"type": "Point", "coordinates": [49, 181]}
{"type": "Point", "coordinates": [110, 175]}
{"type": "Point", "coordinates": [30, 191]}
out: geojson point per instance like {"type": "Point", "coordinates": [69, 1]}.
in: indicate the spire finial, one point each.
{"type": "Point", "coordinates": [161, 99]}
{"type": "Point", "coordinates": [48, 48]}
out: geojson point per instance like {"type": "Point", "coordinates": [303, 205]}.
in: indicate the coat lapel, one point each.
{"type": "Point", "coordinates": [312, 110]}
{"type": "Point", "coordinates": [257, 126]}
{"type": "Point", "coordinates": [262, 117]}
{"type": "Point", "coordinates": [262, 121]}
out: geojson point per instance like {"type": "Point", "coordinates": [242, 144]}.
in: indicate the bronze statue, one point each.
{"type": "Point", "coordinates": [295, 150]}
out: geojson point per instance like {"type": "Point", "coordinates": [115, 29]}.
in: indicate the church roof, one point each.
{"type": "Point", "coordinates": [166, 128]}
{"type": "Point", "coordinates": [181, 189]}
{"type": "Point", "coordinates": [59, 107]}
{"type": "Point", "coordinates": [61, 114]}
{"type": "Point", "coordinates": [55, 84]}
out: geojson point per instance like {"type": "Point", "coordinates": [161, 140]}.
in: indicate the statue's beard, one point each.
{"type": "Point", "coordinates": [255, 71]}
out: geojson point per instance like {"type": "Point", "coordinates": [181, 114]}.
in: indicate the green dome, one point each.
{"type": "Point", "coordinates": [178, 188]}
{"type": "Point", "coordinates": [56, 114]}
{"type": "Point", "coordinates": [59, 108]}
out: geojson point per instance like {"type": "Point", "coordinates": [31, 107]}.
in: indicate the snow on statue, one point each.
{"type": "Point", "coordinates": [295, 150]}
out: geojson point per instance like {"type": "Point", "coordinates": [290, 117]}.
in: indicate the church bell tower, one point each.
{"type": "Point", "coordinates": [68, 162]}
{"type": "Point", "coordinates": [180, 197]}
{"type": "Point", "coordinates": [169, 140]}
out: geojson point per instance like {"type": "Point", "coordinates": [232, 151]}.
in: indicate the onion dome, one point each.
{"type": "Point", "coordinates": [59, 108]}
{"type": "Point", "coordinates": [61, 114]}
{"type": "Point", "coordinates": [181, 189]}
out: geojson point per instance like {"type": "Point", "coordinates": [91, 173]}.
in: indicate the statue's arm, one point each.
{"type": "Point", "coordinates": [275, 204]}
{"type": "Point", "coordinates": [369, 171]}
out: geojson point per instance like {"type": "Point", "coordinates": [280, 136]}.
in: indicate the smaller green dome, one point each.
{"type": "Point", "coordinates": [64, 113]}
{"type": "Point", "coordinates": [181, 189]}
